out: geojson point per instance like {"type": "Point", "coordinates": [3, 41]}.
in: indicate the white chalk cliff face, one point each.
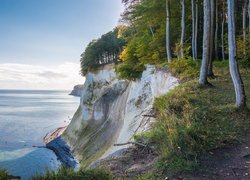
{"type": "Point", "coordinates": [112, 111]}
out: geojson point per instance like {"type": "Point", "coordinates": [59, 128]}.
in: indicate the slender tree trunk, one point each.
{"type": "Point", "coordinates": [211, 51]}
{"type": "Point", "coordinates": [182, 28]}
{"type": "Point", "coordinates": [249, 17]}
{"type": "Point", "coordinates": [196, 27]}
{"type": "Point", "coordinates": [233, 63]}
{"type": "Point", "coordinates": [216, 30]}
{"type": "Point", "coordinates": [222, 36]}
{"type": "Point", "coordinates": [222, 31]}
{"type": "Point", "coordinates": [193, 30]}
{"type": "Point", "coordinates": [206, 45]}
{"type": "Point", "coordinates": [169, 56]}
{"type": "Point", "coordinates": [244, 23]}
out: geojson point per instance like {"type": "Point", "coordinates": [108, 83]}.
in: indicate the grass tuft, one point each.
{"type": "Point", "coordinates": [69, 174]}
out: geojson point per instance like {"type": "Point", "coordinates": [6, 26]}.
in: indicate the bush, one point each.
{"type": "Point", "coordinates": [3, 175]}
{"type": "Point", "coordinates": [129, 70]}
{"type": "Point", "coordinates": [184, 69]}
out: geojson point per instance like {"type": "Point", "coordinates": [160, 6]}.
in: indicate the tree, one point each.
{"type": "Point", "coordinates": [211, 39]}
{"type": "Point", "coordinates": [244, 22]}
{"type": "Point", "coordinates": [249, 16]}
{"type": "Point", "coordinates": [233, 63]}
{"type": "Point", "coordinates": [101, 51]}
{"type": "Point", "coordinates": [194, 28]}
{"type": "Point", "coordinates": [223, 17]}
{"type": "Point", "coordinates": [216, 30]}
{"type": "Point", "coordinates": [206, 43]}
{"type": "Point", "coordinates": [182, 28]}
{"type": "Point", "coordinates": [169, 56]}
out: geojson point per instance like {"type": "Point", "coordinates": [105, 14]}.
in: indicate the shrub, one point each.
{"type": "Point", "coordinates": [3, 175]}
{"type": "Point", "coordinates": [184, 69]}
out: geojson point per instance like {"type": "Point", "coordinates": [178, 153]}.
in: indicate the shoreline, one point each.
{"type": "Point", "coordinates": [54, 134]}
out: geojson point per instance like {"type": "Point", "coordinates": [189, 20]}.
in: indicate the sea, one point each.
{"type": "Point", "coordinates": [26, 116]}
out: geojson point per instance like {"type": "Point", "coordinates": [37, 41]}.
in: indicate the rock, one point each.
{"type": "Point", "coordinates": [112, 111]}
{"type": "Point", "coordinates": [77, 91]}
{"type": "Point", "coordinates": [62, 151]}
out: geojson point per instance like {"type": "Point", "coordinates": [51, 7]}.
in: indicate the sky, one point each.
{"type": "Point", "coordinates": [41, 40]}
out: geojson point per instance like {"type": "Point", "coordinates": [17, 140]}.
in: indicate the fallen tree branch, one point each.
{"type": "Point", "coordinates": [130, 142]}
{"type": "Point", "coordinates": [149, 115]}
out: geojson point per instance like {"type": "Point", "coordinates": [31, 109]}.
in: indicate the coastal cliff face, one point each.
{"type": "Point", "coordinates": [77, 91]}
{"type": "Point", "coordinates": [112, 111]}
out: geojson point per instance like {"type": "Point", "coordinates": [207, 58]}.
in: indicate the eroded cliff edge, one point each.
{"type": "Point", "coordinates": [112, 111]}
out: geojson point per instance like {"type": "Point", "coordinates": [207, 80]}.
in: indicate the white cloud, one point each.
{"type": "Point", "coordinates": [24, 76]}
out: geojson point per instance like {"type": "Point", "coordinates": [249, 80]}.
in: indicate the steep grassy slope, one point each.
{"type": "Point", "coordinates": [192, 121]}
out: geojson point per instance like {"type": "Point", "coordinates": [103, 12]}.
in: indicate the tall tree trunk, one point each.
{"type": "Point", "coordinates": [193, 30]}
{"type": "Point", "coordinates": [244, 23]}
{"type": "Point", "coordinates": [222, 31]}
{"type": "Point", "coordinates": [233, 63]}
{"type": "Point", "coordinates": [206, 45]}
{"type": "Point", "coordinates": [182, 28]}
{"type": "Point", "coordinates": [196, 27]}
{"type": "Point", "coordinates": [216, 30]}
{"type": "Point", "coordinates": [249, 17]}
{"type": "Point", "coordinates": [211, 51]}
{"type": "Point", "coordinates": [169, 56]}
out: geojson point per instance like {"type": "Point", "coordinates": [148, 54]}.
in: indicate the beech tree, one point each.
{"type": "Point", "coordinates": [223, 17]}
{"type": "Point", "coordinates": [211, 39]}
{"type": "Point", "coordinates": [216, 31]}
{"type": "Point", "coordinates": [233, 63]}
{"type": "Point", "coordinates": [244, 22]}
{"type": "Point", "coordinates": [249, 16]}
{"type": "Point", "coordinates": [182, 28]}
{"type": "Point", "coordinates": [206, 43]}
{"type": "Point", "coordinates": [194, 28]}
{"type": "Point", "coordinates": [168, 31]}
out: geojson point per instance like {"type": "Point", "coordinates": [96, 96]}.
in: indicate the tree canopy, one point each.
{"type": "Point", "coordinates": [101, 51]}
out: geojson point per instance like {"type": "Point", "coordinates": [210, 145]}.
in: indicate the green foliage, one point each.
{"type": "Point", "coordinates": [69, 174]}
{"type": "Point", "coordinates": [145, 34]}
{"type": "Point", "coordinates": [130, 71]}
{"type": "Point", "coordinates": [184, 69]}
{"type": "Point", "coordinates": [243, 48]}
{"type": "Point", "coordinates": [3, 175]}
{"type": "Point", "coordinates": [192, 121]}
{"type": "Point", "coordinates": [101, 51]}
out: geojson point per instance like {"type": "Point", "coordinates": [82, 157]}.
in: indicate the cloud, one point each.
{"type": "Point", "coordinates": [25, 76]}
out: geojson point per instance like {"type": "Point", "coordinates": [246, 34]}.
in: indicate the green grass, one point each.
{"type": "Point", "coordinates": [70, 174]}
{"type": "Point", "coordinates": [192, 121]}
{"type": "Point", "coordinates": [3, 175]}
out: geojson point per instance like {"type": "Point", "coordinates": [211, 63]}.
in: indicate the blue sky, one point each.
{"type": "Point", "coordinates": [51, 33]}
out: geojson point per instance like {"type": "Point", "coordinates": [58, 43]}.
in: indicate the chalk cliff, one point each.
{"type": "Point", "coordinates": [77, 91]}
{"type": "Point", "coordinates": [112, 111]}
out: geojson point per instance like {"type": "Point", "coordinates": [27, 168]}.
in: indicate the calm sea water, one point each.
{"type": "Point", "coordinates": [25, 118]}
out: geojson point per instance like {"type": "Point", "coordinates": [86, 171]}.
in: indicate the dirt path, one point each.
{"type": "Point", "coordinates": [229, 163]}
